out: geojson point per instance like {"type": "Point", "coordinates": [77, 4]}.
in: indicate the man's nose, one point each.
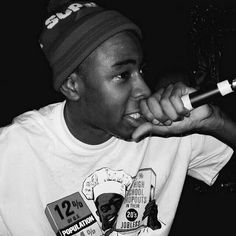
{"type": "Point", "coordinates": [140, 89]}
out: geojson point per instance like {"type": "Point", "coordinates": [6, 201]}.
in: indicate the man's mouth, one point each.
{"type": "Point", "coordinates": [135, 115]}
{"type": "Point", "coordinates": [135, 119]}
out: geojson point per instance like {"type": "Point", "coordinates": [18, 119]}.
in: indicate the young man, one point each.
{"type": "Point", "coordinates": [112, 158]}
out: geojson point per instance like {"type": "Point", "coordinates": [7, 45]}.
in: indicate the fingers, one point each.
{"type": "Point", "coordinates": [162, 110]}
{"type": "Point", "coordinates": [166, 115]}
{"type": "Point", "coordinates": [175, 99]}
{"type": "Point", "coordinates": [146, 111]}
{"type": "Point", "coordinates": [165, 106]}
{"type": "Point", "coordinates": [151, 109]}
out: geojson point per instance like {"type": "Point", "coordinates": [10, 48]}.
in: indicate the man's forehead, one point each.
{"type": "Point", "coordinates": [119, 50]}
{"type": "Point", "coordinates": [121, 40]}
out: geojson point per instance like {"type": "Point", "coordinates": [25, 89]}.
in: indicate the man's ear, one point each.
{"type": "Point", "coordinates": [71, 88]}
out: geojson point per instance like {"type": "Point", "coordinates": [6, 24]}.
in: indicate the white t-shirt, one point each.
{"type": "Point", "coordinates": [50, 181]}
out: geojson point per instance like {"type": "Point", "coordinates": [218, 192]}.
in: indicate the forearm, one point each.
{"type": "Point", "coordinates": [223, 128]}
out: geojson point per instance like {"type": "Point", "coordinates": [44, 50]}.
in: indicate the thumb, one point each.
{"type": "Point", "coordinates": [142, 130]}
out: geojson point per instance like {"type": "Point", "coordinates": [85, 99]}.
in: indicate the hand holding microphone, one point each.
{"type": "Point", "coordinates": [201, 97]}
{"type": "Point", "coordinates": [168, 110]}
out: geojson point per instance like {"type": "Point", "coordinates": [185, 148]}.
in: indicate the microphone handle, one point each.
{"type": "Point", "coordinates": [202, 97]}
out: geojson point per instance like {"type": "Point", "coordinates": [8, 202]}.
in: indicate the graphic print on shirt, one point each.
{"type": "Point", "coordinates": [107, 188]}
{"type": "Point", "coordinates": [71, 216]}
{"type": "Point", "coordinates": [139, 209]}
{"type": "Point", "coordinates": [123, 203]}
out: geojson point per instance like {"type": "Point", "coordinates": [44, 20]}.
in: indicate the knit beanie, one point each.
{"type": "Point", "coordinates": [69, 37]}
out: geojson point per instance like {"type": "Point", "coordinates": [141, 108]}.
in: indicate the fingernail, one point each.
{"type": "Point", "coordinates": [155, 122]}
{"type": "Point", "coordinates": [168, 122]}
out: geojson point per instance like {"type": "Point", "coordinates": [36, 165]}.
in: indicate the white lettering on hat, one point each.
{"type": "Point", "coordinates": [54, 19]}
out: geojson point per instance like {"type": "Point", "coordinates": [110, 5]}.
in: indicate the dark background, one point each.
{"type": "Point", "coordinates": [26, 84]}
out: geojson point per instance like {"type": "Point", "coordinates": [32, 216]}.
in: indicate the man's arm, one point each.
{"type": "Point", "coordinates": [167, 116]}
{"type": "Point", "coordinates": [225, 130]}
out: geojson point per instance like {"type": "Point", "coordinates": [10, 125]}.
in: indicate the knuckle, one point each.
{"type": "Point", "coordinates": [151, 102]}
{"type": "Point", "coordinates": [149, 116]}
{"type": "Point", "coordinates": [175, 117]}
{"type": "Point", "coordinates": [159, 92]}
{"type": "Point", "coordinates": [164, 102]}
{"type": "Point", "coordinates": [170, 86]}
{"type": "Point", "coordinates": [173, 98]}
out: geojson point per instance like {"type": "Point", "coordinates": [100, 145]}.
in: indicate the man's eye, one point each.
{"type": "Point", "coordinates": [143, 70]}
{"type": "Point", "coordinates": [123, 76]}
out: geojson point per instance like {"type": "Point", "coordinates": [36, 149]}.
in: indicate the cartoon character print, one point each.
{"type": "Point", "coordinates": [123, 203]}
{"type": "Point", "coordinates": [107, 188]}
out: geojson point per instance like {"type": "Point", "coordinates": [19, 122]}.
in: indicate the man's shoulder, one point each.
{"type": "Point", "coordinates": [31, 122]}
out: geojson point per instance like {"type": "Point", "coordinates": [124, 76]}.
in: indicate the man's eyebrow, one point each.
{"type": "Point", "coordinates": [125, 62]}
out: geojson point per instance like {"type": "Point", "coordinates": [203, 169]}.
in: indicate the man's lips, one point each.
{"type": "Point", "coordinates": [135, 118]}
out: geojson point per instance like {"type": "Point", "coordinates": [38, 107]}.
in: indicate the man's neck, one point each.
{"type": "Point", "coordinates": [81, 130]}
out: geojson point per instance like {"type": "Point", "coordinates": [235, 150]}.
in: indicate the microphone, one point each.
{"type": "Point", "coordinates": [202, 97]}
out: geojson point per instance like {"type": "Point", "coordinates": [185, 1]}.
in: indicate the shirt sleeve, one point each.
{"type": "Point", "coordinates": [209, 155]}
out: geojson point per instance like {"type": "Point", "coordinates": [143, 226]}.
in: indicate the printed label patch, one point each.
{"type": "Point", "coordinates": [139, 208]}
{"type": "Point", "coordinates": [71, 216]}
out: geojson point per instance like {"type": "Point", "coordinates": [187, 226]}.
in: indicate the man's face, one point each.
{"type": "Point", "coordinates": [108, 206]}
{"type": "Point", "coordinates": [113, 88]}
